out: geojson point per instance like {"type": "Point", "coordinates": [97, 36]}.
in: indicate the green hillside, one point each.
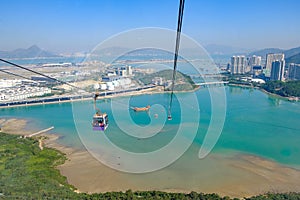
{"type": "Point", "coordinates": [26, 172]}
{"type": "Point", "coordinates": [183, 82]}
{"type": "Point", "coordinates": [291, 52]}
{"type": "Point", "coordinates": [285, 89]}
{"type": "Point", "coordinates": [293, 59]}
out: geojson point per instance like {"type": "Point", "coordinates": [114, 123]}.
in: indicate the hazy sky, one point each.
{"type": "Point", "coordinates": [79, 25]}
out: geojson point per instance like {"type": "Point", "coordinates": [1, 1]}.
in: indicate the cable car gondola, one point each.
{"type": "Point", "coordinates": [100, 120]}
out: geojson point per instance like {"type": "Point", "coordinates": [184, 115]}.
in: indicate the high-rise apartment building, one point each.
{"type": "Point", "coordinates": [238, 65]}
{"type": "Point", "coordinates": [294, 72]}
{"type": "Point", "coordinates": [255, 61]}
{"type": "Point", "coordinates": [277, 71]}
{"type": "Point", "coordinates": [269, 61]}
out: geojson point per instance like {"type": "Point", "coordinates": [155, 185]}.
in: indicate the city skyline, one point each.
{"type": "Point", "coordinates": [74, 26]}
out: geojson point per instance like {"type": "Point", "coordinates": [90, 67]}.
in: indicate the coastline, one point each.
{"type": "Point", "coordinates": [263, 90]}
{"type": "Point", "coordinates": [276, 95]}
{"type": "Point", "coordinates": [154, 90]}
{"type": "Point", "coordinates": [41, 102]}
{"type": "Point", "coordinates": [237, 175]}
{"type": "Point", "coordinates": [256, 176]}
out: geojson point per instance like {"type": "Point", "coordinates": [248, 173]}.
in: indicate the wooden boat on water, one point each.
{"type": "Point", "coordinates": [138, 109]}
{"type": "Point", "coordinates": [293, 99]}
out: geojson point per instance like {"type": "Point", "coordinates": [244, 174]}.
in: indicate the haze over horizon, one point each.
{"type": "Point", "coordinates": [78, 26]}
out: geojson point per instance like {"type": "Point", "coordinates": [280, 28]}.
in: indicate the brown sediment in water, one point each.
{"type": "Point", "coordinates": [238, 175]}
{"type": "Point", "coordinates": [14, 126]}
{"type": "Point", "coordinates": [235, 175]}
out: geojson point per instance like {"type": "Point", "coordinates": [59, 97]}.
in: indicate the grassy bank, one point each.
{"type": "Point", "coordinates": [284, 89]}
{"type": "Point", "coordinates": [26, 172]}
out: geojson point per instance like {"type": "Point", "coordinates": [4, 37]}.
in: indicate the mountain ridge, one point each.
{"type": "Point", "coordinates": [293, 59]}
{"type": "Point", "coordinates": [32, 52]}
{"type": "Point", "coordinates": [216, 49]}
{"type": "Point", "coordinates": [264, 52]}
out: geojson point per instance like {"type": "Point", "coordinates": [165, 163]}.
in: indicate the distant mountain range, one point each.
{"type": "Point", "coordinates": [288, 53]}
{"type": "Point", "coordinates": [32, 52]}
{"type": "Point", "coordinates": [292, 52]}
{"type": "Point", "coordinates": [264, 52]}
{"type": "Point", "coordinates": [291, 55]}
{"type": "Point", "coordinates": [293, 59]}
{"type": "Point", "coordinates": [215, 49]}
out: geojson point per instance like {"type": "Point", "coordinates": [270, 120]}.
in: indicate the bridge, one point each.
{"type": "Point", "coordinates": [207, 75]}
{"type": "Point", "coordinates": [59, 99]}
{"type": "Point", "coordinates": [213, 83]}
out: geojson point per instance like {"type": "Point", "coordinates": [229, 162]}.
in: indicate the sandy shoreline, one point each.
{"type": "Point", "coordinates": [241, 176]}
{"type": "Point", "coordinates": [238, 175]}
{"type": "Point", "coordinates": [256, 176]}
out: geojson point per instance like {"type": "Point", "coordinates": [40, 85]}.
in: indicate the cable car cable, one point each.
{"type": "Point", "coordinates": [44, 75]}
{"type": "Point", "coordinates": [10, 73]}
{"type": "Point", "coordinates": [41, 74]}
{"type": "Point", "coordinates": [179, 25]}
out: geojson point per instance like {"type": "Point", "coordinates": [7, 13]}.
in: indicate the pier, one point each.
{"type": "Point", "coordinates": [40, 132]}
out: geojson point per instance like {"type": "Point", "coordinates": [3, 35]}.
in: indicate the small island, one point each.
{"type": "Point", "coordinates": [163, 78]}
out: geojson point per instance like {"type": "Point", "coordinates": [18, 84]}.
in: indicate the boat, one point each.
{"type": "Point", "coordinates": [138, 109]}
{"type": "Point", "coordinates": [293, 99]}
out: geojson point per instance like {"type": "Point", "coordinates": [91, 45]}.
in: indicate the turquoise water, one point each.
{"type": "Point", "coordinates": [255, 123]}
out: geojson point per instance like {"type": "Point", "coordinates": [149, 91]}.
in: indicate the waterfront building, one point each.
{"type": "Point", "coordinates": [121, 71]}
{"type": "Point", "coordinates": [111, 73]}
{"type": "Point", "coordinates": [5, 83]}
{"type": "Point", "coordinates": [255, 61]}
{"type": "Point", "coordinates": [258, 80]}
{"type": "Point", "coordinates": [129, 70]}
{"type": "Point", "coordinates": [110, 78]}
{"type": "Point", "coordinates": [158, 81]}
{"type": "Point", "coordinates": [21, 93]}
{"type": "Point", "coordinates": [124, 71]}
{"type": "Point", "coordinates": [270, 59]}
{"type": "Point", "coordinates": [294, 71]}
{"type": "Point", "coordinates": [256, 70]}
{"type": "Point", "coordinates": [17, 89]}
{"type": "Point", "coordinates": [238, 65]}
{"type": "Point", "coordinates": [277, 71]}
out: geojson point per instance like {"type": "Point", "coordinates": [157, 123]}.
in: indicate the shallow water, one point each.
{"type": "Point", "coordinates": [256, 124]}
